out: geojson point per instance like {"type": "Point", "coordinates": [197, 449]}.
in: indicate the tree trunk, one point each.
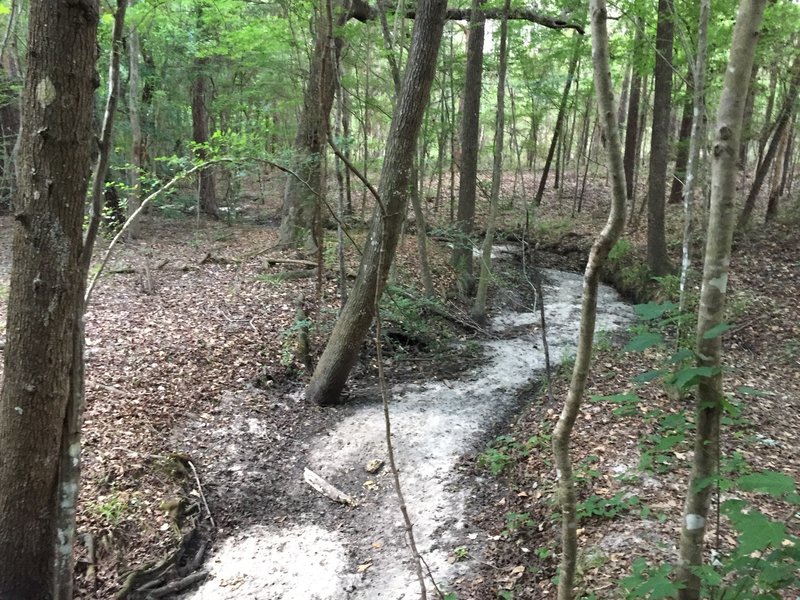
{"type": "Point", "coordinates": [682, 157]}
{"type": "Point", "coordinates": [137, 143]}
{"type": "Point", "coordinates": [695, 142]}
{"type": "Point", "coordinates": [747, 123]}
{"type": "Point", "coordinates": [302, 197]}
{"type": "Point", "coordinates": [779, 175]}
{"type": "Point", "coordinates": [46, 288]}
{"type": "Point", "coordinates": [768, 125]}
{"type": "Point", "coordinates": [763, 168]}
{"type": "Point", "coordinates": [591, 280]}
{"type": "Point", "coordinates": [479, 307]}
{"type": "Point", "coordinates": [657, 259]}
{"type": "Point", "coordinates": [632, 129]}
{"type": "Point", "coordinates": [562, 109]}
{"type": "Point", "coordinates": [713, 292]}
{"type": "Point", "coordinates": [351, 328]}
{"type": "Point", "coordinates": [470, 128]}
{"type": "Point", "coordinates": [416, 202]}
{"type": "Point", "coordinates": [206, 194]}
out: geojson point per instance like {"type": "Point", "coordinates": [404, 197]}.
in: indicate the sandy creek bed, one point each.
{"type": "Point", "coordinates": [433, 425]}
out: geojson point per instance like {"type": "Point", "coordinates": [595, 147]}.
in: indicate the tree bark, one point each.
{"type": "Point", "coordinates": [470, 128]}
{"type": "Point", "coordinates": [657, 259]}
{"type": "Point", "coordinates": [351, 328]}
{"type": "Point", "coordinates": [206, 193]}
{"type": "Point", "coordinates": [713, 291]}
{"type": "Point", "coordinates": [46, 288]}
{"type": "Point", "coordinates": [479, 307]}
{"type": "Point", "coordinates": [591, 279]}
{"type": "Point", "coordinates": [562, 109]}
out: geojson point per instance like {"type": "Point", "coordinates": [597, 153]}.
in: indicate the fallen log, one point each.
{"type": "Point", "coordinates": [276, 260]}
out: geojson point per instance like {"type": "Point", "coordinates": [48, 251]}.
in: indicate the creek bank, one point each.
{"type": "Point", "coordinates": [309, 548]}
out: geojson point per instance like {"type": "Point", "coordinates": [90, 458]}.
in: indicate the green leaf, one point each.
{"type": "Point", "coordinates": [617, 398]}
{"type": "Point", "coordinates": [643, 341]}
{"type": "Point", "coordinates": [749, 391]}
{"type": "Point", "coordinates": [708, 575]}
{"type": "Point", "coordinates": [648, 376]}
{"type": "Point", "coordinates": [716, 331]}
{"type": "Point", "coordinates": [774, 483]}
{"type": "Point", "coordinates": [681, 355]}
{"type": "Point", "coordinates": [688, 376]}
{"type": "Point", "coordinates": [652, 311]}
{"type": "Point", "coordinates": [758, 532]}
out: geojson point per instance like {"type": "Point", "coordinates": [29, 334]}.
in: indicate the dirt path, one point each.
{"type": "Point", "coordinates": [308, 548]}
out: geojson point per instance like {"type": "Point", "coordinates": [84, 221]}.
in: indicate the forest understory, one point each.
{"type": "Point", "coordinates": [194, 340]}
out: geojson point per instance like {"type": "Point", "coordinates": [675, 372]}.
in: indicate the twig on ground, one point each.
{"type": "Point", "coordinates": [200, 491]}
{"type": "Point", "coordinates": [326, 489]}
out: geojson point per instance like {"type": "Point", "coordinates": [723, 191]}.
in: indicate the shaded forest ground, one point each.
{"type": "Point", "coordinates": [210, 336]}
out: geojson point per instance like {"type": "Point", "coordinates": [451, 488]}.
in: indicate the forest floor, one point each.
{"type": "Point", "coordinates": [194, 391]}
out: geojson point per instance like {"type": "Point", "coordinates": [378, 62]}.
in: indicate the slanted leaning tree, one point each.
{"type": "Point", "coordinates": [354, 321]}
{"type": "Point", "coordinates": [724, 158]}
{"type": "Point", "coordinates": [46, 287]}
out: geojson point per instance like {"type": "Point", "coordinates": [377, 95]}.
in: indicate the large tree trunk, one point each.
{"type": "Point", "coordinates": [562, 110]}
{"type": "Point", "coordinates": [657, 259]}
{"type": "Point", "coordinates": [479, 307]}
{"type": "Point", "coordinates": [470, 128]}
{"type": "Point", "coordinates": [351, 328]}
{"type": "Point", "coordinates": [710, 395]}
{"type": "Point", "coordinates": [591, 280]}
{"type": "Point", "coordinates": [46, 288]}
{"type": "Point", "coordinates": [763, 168]}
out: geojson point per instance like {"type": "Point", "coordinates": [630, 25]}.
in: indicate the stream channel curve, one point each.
{"type": "Point", "coordinates": [433, 425]}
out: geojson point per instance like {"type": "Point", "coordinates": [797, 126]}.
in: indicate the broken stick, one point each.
{"type": "Point", "coordinates": [325, 488]}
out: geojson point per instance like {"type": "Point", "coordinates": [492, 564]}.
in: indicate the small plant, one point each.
{"type": "Point", "coordinates": [515, 522]}
{"type": "Point", "coordinates": [111, 509]}
{"type": "Point", "coordinates": [606, 508]}
{"type": "Point", "coordinates": [499, 455]}
{"type": "Point", "coordinates": [763, 563]}
{"type": "Point", "coordinates": [461, 553]}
